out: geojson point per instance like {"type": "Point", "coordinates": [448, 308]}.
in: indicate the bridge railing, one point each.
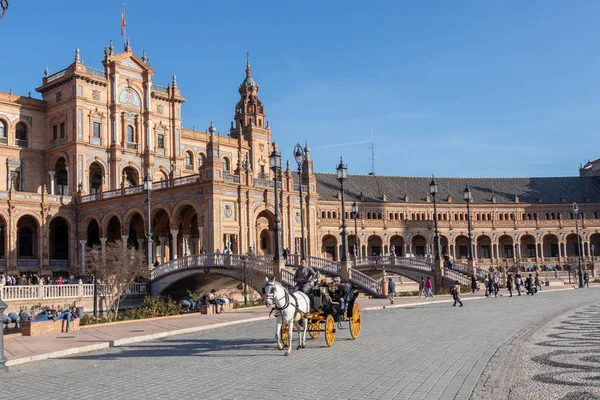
{"type": "Point", "coordinates": [329, 267]}
{"type": "Point", "coordinates": [287, 277]}
{"type": "Point", "coordinates": [38, 292]}
{"type": "Point", "coordinates": [408, 262]}
{"type": "Point", "coordinates": [455, 276]}
{"type": "Point", "coordinates": [462, 267]}
{"type": "Point", "coordinates": [365, 282]}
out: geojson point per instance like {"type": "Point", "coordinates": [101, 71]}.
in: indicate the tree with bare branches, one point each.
{"type": "Point", "coordinates": [116, 267]}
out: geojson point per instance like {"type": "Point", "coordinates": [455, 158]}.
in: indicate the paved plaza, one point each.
{"type": "Point", "coordinates": [433, 351]}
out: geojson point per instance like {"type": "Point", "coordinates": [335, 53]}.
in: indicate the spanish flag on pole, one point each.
{"type": "Point", "coordinates": [123, 23]}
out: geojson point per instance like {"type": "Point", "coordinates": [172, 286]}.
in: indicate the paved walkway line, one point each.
{"type": "Point", "coordinates": [161, 335]}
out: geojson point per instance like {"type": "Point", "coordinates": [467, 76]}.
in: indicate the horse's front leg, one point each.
{"type": "Point", "coordinates": [278, 335]}
{"type": "Point", "coordinates": [304, 333]}
{"type": "Point", "coordinates": [291, 331]}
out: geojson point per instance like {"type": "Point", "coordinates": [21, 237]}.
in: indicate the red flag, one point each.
{"type": "Point", "coordinates": [123, 23]}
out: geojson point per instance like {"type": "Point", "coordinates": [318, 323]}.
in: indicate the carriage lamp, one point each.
{"type": "Point", "coordinates": [342, 171]}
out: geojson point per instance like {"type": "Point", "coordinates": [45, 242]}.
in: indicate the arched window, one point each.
{"type": "Point", "coordinates": [189, 160]}
{"type": "Point", "coordinates": [402, 216]}
{"type": "Point", "coordinates": [3, 132]}
{"type": "Point", "coordinates": [130, 134]}
{"type": "Point", "coordinates": [378, 215]}
{"type": "Point", "coordinates": [328, 214]}
{"type": "Point", "coordinates": [225, 164]}
{"type": "Point", "coordinates": [21, 135]}
{"type": "Point", "coordinates": [322, 214]}
{"type": "Point", "coordinates": [368, 215]}
{"type": "Point", "coordinates": [201, 160]}
{"type": "Point", "coordinates": [334, 215]}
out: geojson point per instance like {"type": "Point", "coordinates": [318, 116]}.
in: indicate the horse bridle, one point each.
{"type": "Point", "coordinates": [271, 294]}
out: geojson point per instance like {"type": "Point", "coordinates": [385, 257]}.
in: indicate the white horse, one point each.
{"type": "Point", "coordinates": [291, 308]}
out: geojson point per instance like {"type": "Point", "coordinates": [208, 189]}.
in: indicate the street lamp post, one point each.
{"type": "Point", "coordinates": [3, 307]}
{"type": "Point", "coordinates": [468, 197]}
{"type": "Point", "coordinates": [148, 188]}
{"type": "Point", "coordinates": [576, 212]}
{"type": "Point", "coordinates": [300, 156]}
{"type": "Point", "coordinates": [342, 174]}
{"type": "Point", "coordinates": [244, 278]}
{"type": "Point", "coordinates": [356, 242]}
{"type": "Point", "coordinates": [433, 189]}
{"type": "Point", "coordinates": [275, 165]}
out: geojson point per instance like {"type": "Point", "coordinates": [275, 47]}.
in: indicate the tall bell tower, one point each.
{"type": "Point", "coordinates": [249, 111]}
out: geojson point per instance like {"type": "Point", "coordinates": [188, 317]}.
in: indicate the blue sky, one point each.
{"type": "Point", "coordinates": [467, 88]}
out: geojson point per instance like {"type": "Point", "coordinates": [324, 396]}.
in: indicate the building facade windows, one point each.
{"type": "Point", "coordinates": [3, 132]}
{"type": "Point", "coordinates": [96, 129]}
{"type": "Point", "coordinates": [160, 141]}
{"type": "Point", "coordinates": [62, 130]}
{"type": "Point", "coordinates": [189, 163]}
{"type": "Point", "coordinates": [21, 135]}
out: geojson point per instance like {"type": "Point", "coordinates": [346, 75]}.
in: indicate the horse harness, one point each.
{"type": "Point", "coordinates": [287, 304]}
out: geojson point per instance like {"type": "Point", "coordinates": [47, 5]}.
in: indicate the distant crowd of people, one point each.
{"type": "Point", "coordinates": [33, 279]}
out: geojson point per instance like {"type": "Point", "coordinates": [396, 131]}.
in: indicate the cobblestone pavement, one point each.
{"type": "Point", "coordinates": [559, 358]}
{"type": "Point", "coordinates": [424, 352]}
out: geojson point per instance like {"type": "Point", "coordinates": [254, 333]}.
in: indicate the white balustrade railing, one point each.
{"type": "Point", "coordinates": [328, 267]}
{"type": "Point", "coordinates": [395, 261]}
{"type": "Point", "coordinates": [39, 292]}
{"type": "Point", "coordinates": [455, 276]}
{"type": "Point", "coordinates": [365, 282]}
{"type": "Point", "coordinates": [287, 277]}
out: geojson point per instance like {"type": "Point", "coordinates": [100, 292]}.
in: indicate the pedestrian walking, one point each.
{"type": "Point", "coordinates": [586, 279]}
{"type": "Point", "coordinates": [496, 286]}
{"type": "Point", "coordinates": [428, 287]}
{"type": "Point", "coordinates": [473, 284]}
{"type": "Point", "coordinates": [537, 283]}
{"type": "Point", "coordinates": [518, 283]}
{"type": "Point", "coordinates": [486, 282]}
{"type": "Point", "coordinates": [422, 287]}
{"type": "Point", "coordinates": [529, 285]}
{"type": "Point", "coordinates": [509, 284]}
{"type": "Point", "coordinates": [456, 294]}
{"type": "Point", "coordinates": [391, 290]}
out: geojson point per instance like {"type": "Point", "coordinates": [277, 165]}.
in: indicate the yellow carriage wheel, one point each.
{"type": "Point", "coordinates": [315, 328]}
{"type": "Point", "coordinates": [329, 330]}
{"type": "Point", "coordinates": [355, 321]}
{"type": "Point", "coordinates": [285, 335]}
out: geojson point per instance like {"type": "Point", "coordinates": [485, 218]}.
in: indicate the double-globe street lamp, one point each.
{"type": "Point", "coordinates": [275, 165]}
{"type": "Point", "coordinates": [576, 212]}
{"type": "Point", "coordinates": [300, 157]}
{"type": "Point", "coordinates": [468, 197]}
{"type": "Point", "coordinates": [433, 189]}
{"type": "Point", "coordinates": [356, 241]}
{"type": "Point", "coordinates": [342, 174]}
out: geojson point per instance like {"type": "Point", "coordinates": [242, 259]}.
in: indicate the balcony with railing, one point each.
{"type": "Point", "coordinates": [59, 264]}
{"type": "Point", "coordinates": [57, 75]}
{"type": "Point", "coordinates": [264, 183]}
{"type": "Point", "coordinates": [189, 167]}
{"type": "Point", "coordinates": [186, 180]}
{"type": "Point", "coordinates": [131, 146]}
{"type": "Point", "coordinates": [3, 140]}
{"type": "Point", "coordinates": [231, 178]}
{"type": "Point", "coordinates": [95, 72]}
{"type": "Point", "coordinates": [21, 143]}
{"type": "Point", "coordinates": [159, 88]}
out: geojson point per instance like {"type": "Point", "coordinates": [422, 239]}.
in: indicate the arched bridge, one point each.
{"type": "Point", "coordinates": [236, 266]}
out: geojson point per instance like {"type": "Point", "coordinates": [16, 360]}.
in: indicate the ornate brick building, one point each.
{"type": "Point", "coordinates": [77, 159]}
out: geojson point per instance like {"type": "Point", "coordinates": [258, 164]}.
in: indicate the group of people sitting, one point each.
{"type": "Point", "coordinates": [306, 278]}
{"type": "Point", "coordinates": [46, 315]}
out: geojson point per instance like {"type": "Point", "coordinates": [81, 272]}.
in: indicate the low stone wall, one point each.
{"type": "Point", "coordinates": [36, 328]}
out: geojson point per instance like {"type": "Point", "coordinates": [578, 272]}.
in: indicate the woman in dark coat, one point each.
{"type": "Point", "coordinates": [509, 284]}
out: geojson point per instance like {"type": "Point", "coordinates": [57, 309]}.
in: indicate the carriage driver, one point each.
{"type": "Point", "coordinates": [303, 277]}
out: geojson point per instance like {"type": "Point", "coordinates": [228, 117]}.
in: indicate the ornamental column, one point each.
{"type": "Point", "coordinates": [174, 233]}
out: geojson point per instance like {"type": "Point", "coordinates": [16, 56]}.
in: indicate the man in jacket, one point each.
{"type": "Point", "coordinates": [456, 294]}
{"type": "Point", "coordinates": [303, 277]}
{"type": "Point", "coordinates": [391, 290]}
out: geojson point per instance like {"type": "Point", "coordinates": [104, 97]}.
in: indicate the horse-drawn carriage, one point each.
{"type": "Point", "coordinates": [313, 313]}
